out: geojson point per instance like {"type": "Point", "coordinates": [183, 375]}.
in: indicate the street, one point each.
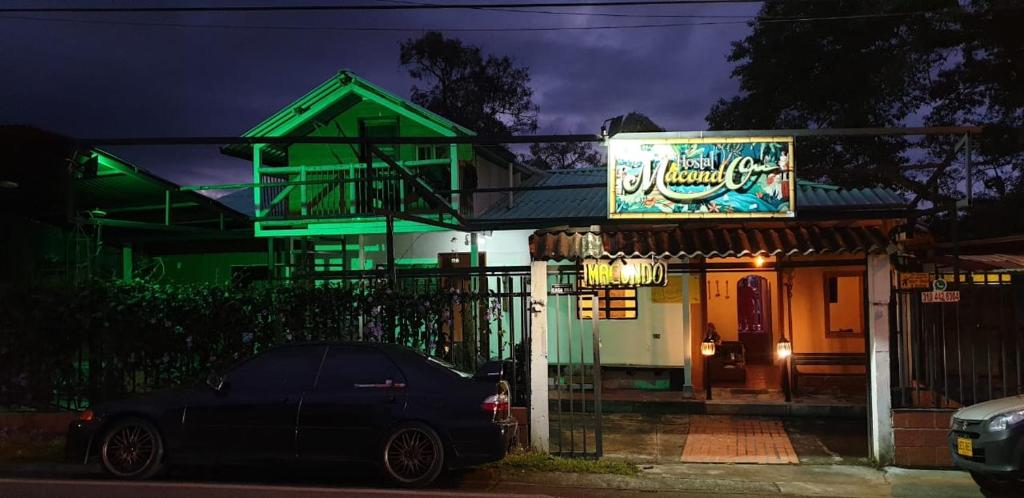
{"type": "Point", "coordinates": [677, 479]}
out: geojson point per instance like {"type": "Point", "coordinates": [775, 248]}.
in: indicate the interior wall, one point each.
{"type": "Point", "coordinates": [722, 307]}
{"type": "Point", "coordinates": [809, 313]}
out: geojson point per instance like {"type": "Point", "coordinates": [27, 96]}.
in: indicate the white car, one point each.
{"type": "Point", "coordinates": [987, 439]}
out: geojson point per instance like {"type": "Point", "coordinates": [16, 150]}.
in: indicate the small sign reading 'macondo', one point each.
{"type": "Point", "coordinates": [638, 272]}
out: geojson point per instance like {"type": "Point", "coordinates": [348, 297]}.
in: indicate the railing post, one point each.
{"type": "Point", "coordinates": [302, 190]}
{"type": "Point", "coordinates": [453, 154]}
{"type": "Point", "coordinates": [257, 160]}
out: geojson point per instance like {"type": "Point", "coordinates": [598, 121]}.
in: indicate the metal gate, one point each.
{"type": "Point", "coordinates": [574, 369]}
{"type": "Point", "coordinates": [957, 354]}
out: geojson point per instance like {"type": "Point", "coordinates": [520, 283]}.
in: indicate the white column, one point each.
{"type": "Point", "coordinates": [879, 274]}
{"type": "Point", "coordinates": [539, 356]}
{"type": "Point", "coordinates": [687, 336]}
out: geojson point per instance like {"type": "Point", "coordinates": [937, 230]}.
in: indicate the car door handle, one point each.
{"type": "Point", "coordinates": [388, 384]}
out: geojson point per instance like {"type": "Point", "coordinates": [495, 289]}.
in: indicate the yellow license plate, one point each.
{"type": "Point", "coordinates": [964, 446]}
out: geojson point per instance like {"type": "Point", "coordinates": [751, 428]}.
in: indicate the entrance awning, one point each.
{"type": "Point", "coordinates": [708, 242]}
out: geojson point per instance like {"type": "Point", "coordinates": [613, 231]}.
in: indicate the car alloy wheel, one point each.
{"type": "Point", "coordinates": [132, 449]}
{"type": "Point", "coordinates": [413, 455]}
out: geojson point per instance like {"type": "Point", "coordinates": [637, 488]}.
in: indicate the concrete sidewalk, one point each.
{"type": "Point", "coordinates": [735, 480]}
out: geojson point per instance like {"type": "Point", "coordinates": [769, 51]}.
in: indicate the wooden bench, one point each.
{"type": "Point", "coordinates": [826, 359]}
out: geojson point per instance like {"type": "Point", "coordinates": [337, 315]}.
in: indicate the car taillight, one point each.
{"type": "Point", "coordinates": [496, 404]}
{"type": "Point", "coordinates": [86, 416]}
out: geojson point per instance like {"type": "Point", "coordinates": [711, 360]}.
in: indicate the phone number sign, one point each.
{"type": "Point", "coordinates": [940, 297]}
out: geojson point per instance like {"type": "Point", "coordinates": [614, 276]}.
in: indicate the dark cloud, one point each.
{"type": "Point", "coordinates": [88, 79]}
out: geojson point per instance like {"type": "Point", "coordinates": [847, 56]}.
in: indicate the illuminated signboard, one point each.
{"type": "Point", "coordinates": [605, 273]}
{"type": "Point", "coordinates": [700, 178]}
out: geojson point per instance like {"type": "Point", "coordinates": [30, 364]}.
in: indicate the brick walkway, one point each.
{"type": "Point", "coordinates": [728, 439]}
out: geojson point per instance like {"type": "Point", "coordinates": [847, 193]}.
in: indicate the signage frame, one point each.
{"type": "Point", "coordinates": [649, 138]}
{"type": "Point", "coordinates": [915, 280]}
{"type": "Point", "coordinates": [656, 265]}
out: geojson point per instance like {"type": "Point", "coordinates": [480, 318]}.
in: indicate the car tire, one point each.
{"type": "Point", "coordinates": [997, 486]}
{"type": "Point", "coordinates": [132, 449]}
{"type": "Point", "coordinates": [413, 455]}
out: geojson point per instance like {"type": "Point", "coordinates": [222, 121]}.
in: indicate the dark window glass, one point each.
{"type": "Point", "coordinates": [290, 368]}
{"type": "Point", "coordinates": [385, 127]}
{"type": "Point", "coordinates": [346, 367]}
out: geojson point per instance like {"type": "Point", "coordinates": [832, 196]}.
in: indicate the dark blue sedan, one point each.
{"type": "Point", "coordinates": [410, 414]}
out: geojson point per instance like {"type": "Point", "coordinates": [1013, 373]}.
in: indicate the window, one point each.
{"type": "Point", "coordinates": [345, 367]}
{"type": "Point", "coordinates": [382, 127]}
{"type": "Point", "coordinates": [844, 304]}
{"type": "Point", "coordinates": [427, 152]}
{"type": "Point", "coordinates": [613, 304]}
{"type": "Point", "coordinates": [291, 368]}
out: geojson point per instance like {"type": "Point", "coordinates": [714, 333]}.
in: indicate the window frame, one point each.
{"type": "Point", "coordinates": [231, 375]}
{"type": "Point", "coordinates": [356, 350]}
{"type": "Point", "coordinates": [835, 334]}
{"type": "Point", "coordinates": [390, 150]}
{"type": "Point", "coordinates": [606, 303]}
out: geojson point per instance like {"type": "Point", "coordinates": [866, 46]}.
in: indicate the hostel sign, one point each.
{"type": "Point", "coordinates": [618, 273]}
{"type": "Point", "coordinates": [700, 178]}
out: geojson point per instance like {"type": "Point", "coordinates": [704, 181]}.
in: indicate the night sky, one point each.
{"type": "Point", "coordinates": [91, 77]}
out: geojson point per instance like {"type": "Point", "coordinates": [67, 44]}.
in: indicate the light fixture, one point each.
{"type": "Point", "coordinates": [707, 347]}
{"type": "Point", "coordinates": [784, 348]}
{"type": "Point", "coordinates": [707, 350]}
{"type": "Point", "coordinates": [7, 184]}
{"type": "Point", "coordinates": [759, 261]}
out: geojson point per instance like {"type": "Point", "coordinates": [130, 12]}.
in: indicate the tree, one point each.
{"type": "Point", "coordinates": [634, 122]}
{"type": "Point", "coordinates": [561, 155]}
{"type": "Point", "coordinates": [488, 94]}
{"type": "Point", "coordinates": [901, 63]}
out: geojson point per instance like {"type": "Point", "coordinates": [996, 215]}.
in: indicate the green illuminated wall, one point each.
{"type": "Point", "coordinates": [201, 268]}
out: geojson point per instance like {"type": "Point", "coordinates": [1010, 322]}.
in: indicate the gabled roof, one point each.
{"type": "Point", "coordinates": [592, 201]}
{"type": "Point", "coordinates": [39, 160]}
{"type": "Point", "coordinates": [332, 97]}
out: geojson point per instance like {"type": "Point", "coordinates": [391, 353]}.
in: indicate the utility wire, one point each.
{"type": "Point", "coordinates": [366, 7]}
{"type": "Point", "coordinates": [587, 14]}
{"type": "Point", "coordinates": [279, 27]}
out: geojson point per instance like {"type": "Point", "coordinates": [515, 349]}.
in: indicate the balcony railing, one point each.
{"type": "Point", "coordinates": [352, 190]}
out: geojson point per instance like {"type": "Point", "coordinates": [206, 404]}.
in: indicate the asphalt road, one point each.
{"type": "Point", "coordinates": [33, 488]}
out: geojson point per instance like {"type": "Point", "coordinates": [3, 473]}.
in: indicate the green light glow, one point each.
{"type": "Point", "coordinates": [345, 228]}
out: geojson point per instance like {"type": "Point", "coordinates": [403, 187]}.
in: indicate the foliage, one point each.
{"type": "Point", "coordinates": [488, 94]}
{"type": "Point", "coordinates": [63, 345]}
{"type": "Point", "coordinates": [633, 122]}
{"type": "Point", "coordinates": [543, 462]}
{"type": "Point", "coordinates": [900, 63]}
{"type": "Point", "coordinates": [563, 155]}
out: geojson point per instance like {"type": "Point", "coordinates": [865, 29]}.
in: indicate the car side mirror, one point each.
{"type": "Point", "coordinates": [216, 382]}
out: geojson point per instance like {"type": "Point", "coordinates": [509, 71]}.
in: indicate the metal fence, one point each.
{"type": "Point", "coordinates": [70, 347]}
{"type": "Point", "coordinates": [574, 369]}
{"type": "Point", "coordinates": [947, 355]}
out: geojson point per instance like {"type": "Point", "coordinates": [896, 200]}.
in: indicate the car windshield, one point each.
{"type": "Point", "coordinates": [447, 366]}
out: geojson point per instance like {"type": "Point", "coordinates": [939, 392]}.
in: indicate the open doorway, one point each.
{"type": "Point", "coordinates": [738, 311]}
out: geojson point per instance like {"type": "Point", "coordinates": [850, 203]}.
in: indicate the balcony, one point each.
{"type": "Point", "coordinates": [337, 199]}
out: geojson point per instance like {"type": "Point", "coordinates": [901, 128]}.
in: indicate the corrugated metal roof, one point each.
{"type": "Point", "coordinates": [711, 242]}
{"type": "Point", "coordinates": [986, 262]}
{"type": "Point", "coordinates": [592, 202]}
